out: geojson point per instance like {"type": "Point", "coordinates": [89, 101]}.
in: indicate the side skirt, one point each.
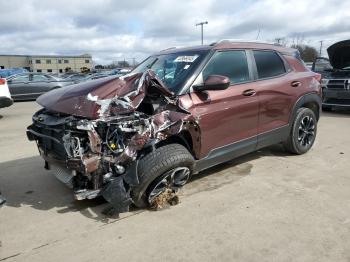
{"type": "Point", "coordinates": [273, 137]}
{"type": "Point", "coordinates": [226, 153]}
{"type": "Point", "coordinates": [243, 147]}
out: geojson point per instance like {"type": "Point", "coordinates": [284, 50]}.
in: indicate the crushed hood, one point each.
{"type": "Point", "coordinates": [339, 54]}
{"type": "Point", "coordinates": [104, 96]}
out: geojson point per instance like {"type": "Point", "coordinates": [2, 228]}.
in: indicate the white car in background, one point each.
{"type": "Point", "coordinates": [5, 96]}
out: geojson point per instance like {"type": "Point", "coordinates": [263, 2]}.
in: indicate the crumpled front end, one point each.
{"type": "Point", "coordinates": [99, 156]}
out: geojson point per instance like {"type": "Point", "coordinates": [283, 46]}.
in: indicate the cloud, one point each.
{"type": "Point", "coordinates": [111, 30]}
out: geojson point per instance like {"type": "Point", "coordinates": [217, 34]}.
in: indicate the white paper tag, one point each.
{"type": "Point", "coordinates": [186, 58]}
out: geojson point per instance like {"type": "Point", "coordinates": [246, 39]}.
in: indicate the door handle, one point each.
{"type": "Point", "coordinates": [295, 84]}
{"type": "Point", "coordinates": [249, 92]}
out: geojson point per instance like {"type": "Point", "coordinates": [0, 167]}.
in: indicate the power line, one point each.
{"type": "Point", "coordinates": [257, 37]}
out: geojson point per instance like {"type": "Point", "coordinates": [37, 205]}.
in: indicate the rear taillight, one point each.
{"type": "Point", "coordinates": [2, 81]}
{"type": "Point", "coordinates": [318, 77]}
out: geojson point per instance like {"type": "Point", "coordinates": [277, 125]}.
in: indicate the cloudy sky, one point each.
{"type": "Point", "coordinates": [111, 30]}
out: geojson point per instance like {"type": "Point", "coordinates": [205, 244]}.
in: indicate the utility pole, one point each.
{"type": "Point", "coordinates": [257, 37]}
{"type": "Point", "coordinates": [321, 45]}
{"type": "Point", "coordinates": [201, 24]}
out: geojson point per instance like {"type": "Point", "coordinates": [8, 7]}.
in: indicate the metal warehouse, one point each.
{"type": "Point", "coordinates": [47, 63]}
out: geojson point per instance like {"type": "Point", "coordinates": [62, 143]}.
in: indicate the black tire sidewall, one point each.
{"type": "Point", "coordinates": [167, 158]}
{"type": "Point", "coordinates": [302, 112]}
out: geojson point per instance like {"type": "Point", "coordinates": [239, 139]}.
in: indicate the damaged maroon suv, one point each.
{"type": "Point", "coordinates": [132, 138]}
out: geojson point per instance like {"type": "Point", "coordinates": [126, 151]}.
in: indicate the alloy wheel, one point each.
{"type": "Point", "coordinates": [306, 134]}
{"type": "Point", "coordinates": [173, 179]}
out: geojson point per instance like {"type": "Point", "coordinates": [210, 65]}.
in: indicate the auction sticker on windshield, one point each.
{"type": "Point", "coordinates": [186, 58]}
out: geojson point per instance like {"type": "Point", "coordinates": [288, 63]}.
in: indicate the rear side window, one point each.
{"type": "Point", "coordinates": [232, 64]}
{"type": "Point", "coordinates": [20, 78]}
{"type": "Point", "coordinates": [269, 64]}
{"type": "Point", "coordinates": [39, 78]}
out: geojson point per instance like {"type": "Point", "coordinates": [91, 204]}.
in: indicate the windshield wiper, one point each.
{"type": "Point", "coordinates": [151, 64]}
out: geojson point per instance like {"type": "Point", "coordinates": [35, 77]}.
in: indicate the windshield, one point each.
{"type": "Point", "coordinates": [322, 64]}
{"type": "Point", "coordinates": [173, 69]}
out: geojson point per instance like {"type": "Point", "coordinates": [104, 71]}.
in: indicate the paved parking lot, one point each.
{"type": "Point", "coordinates": [266, 206]}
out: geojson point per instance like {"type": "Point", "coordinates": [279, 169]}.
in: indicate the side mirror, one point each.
{"type": "Point", "coordinates": [213, 82]}
{"type": "Point", "coordinates": [9, 81]}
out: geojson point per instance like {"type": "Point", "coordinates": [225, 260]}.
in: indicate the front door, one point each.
{"type": "Point", "coordinates": [18, 86]}
{"type": "Point", "coordinates": [228, 118]}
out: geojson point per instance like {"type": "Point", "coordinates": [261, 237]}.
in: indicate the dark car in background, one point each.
{"type": "Point", "coordinates": [94, 76]}
{"type": "Point", "coordinates": [86, 77]}
{"type": "Point", "coordinates": [335, 73]}
{"type": "Point", "coordinates": [75, 77]}
{"type": "Point", "coordinates": [4, 73]}
{"type": "Point", "coordinates": [29, 86]}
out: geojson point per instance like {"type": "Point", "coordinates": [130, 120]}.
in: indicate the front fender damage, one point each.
{"type": "Point", "coordinates": [108, 148]}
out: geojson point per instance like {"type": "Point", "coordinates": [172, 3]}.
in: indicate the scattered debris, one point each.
{"type": "Point", "coordinates": [165, 199]}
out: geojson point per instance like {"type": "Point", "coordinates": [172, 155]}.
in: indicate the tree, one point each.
{"type": "Point", "coordinates": [98, 66]}
{"type": "Point", "coordinates": [283, 41]}
{"type": "Point", "coordinates": [123, 63]}
{"type": "Point", "coordinates": [307, 53]}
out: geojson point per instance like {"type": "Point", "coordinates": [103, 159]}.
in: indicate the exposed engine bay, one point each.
{"type": "Point", "coordinates": [98, 154]}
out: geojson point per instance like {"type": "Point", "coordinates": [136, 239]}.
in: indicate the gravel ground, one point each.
{"type": "Point", "coordinates": [266, 206]}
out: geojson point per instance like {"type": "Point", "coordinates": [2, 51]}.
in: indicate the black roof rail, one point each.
{"type": "Point", "coordinates": [174, 47]}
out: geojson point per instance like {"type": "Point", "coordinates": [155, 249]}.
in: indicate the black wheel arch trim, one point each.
{"type": "Point", "coordinates": [307, 99]}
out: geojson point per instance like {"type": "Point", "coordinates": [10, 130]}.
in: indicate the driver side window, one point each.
{"type": "Point", "coordinates": [232, 64]}
{"type": "Point", "coordinates": [20, 78]}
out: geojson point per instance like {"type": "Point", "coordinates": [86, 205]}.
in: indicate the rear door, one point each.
{"type": "Point", "coordinates": [228, 118]}
{"type": "Point", "coordinates": [18, 86]}
{"type": "Point", "coordinates": [276, 94]}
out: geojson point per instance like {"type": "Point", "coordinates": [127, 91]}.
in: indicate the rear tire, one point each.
{"type": "Point", "coordinates": [303, 132]}
{"type": "Point", "coordinates": [155, 165]}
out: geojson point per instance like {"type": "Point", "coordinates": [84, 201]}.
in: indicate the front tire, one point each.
{"type": "Point", "coordinates": [303, 132]}
{"type": "Point", "coordinates": [169, 166]}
